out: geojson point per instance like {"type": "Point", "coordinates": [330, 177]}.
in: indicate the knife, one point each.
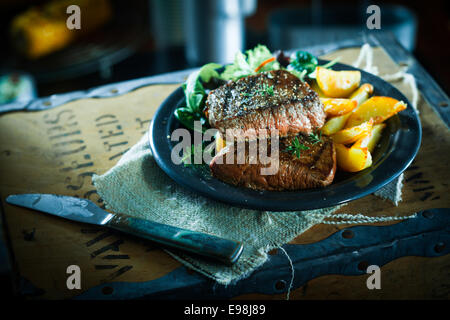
{"type": "Point", "coordinates": [83, 210]}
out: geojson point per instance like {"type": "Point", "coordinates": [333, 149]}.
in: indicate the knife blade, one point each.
{"type": "Point", "coordinates": [85, 211]}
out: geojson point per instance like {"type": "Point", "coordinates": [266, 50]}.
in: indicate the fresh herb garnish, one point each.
{"type": "Point", "coordinates": [268, 90]}
{"type": "Point", "coordinates": [315, 138]}
{"type": "Point", "coordinates": [263, 89]}
{"type": "Point", "coordinates": [296, 147]}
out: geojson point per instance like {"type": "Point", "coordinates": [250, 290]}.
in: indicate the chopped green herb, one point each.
{"type": "Point", "coordinates": [263, 89]}
{"type": "Point", "coordinates": [269, 90]}
{"type": "Point", "coordinates": [296, 147]}
{"type": "Point", "coordinates": [315, 138]}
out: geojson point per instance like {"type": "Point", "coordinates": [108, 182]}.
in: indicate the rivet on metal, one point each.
{"type": "Point", "coordinates": [347, 234]}
{"type": "Point", "coordinates": [439, 247]}
{"type": "Point", "coordinates": [107, 290]}
{"type": "Point", "coordinates": [280, 285]}
{"type": "Point", "coordinates": [363, 265]}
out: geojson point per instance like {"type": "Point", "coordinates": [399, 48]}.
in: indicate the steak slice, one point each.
{"type": "Point", "coordinates": [270, 100]}
{"type": "Point", "coordinates": [316, 167]}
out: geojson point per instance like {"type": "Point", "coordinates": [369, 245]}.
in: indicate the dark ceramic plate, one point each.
{"type": "Point", "coordinates": [396, 150]}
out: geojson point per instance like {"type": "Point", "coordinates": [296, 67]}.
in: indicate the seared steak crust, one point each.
{"type": "Point", "coordinates": [316, 167]}
{"type": "Point", "coordinates": [270, 100]}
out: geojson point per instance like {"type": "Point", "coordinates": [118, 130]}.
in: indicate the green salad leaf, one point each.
{"type": "Point", "coordinates": [195, 95]}
{"type": "Point", "coordinates": [245, 64]}
{"type": "Point", "coordinates": [209, 71]}
{"type": "Point", "coordinates": [193, 87]}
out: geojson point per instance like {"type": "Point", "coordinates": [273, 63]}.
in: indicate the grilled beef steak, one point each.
{"type": "Point", "coordinates": [270, 100]}
{"type": "Point", "coordinates": [315, 167]}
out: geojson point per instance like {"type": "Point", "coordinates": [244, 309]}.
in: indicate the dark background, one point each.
{"type": "Point", "coordinates": [148, 58]}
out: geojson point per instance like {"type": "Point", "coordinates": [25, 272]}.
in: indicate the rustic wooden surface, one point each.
{"type": "Point", "coordinates": [58, 151]}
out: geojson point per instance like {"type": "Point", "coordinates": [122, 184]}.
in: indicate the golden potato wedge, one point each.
{"type": "Point", "coordinates": [368, 159]}
{"type": "Point", "coordinates": [220, 142]}
{"type": "Point", "coordinates": [370, 140]}
{"type": "Point", "coordinates": [362, 93]}
{"type": "Point", "coordinates": [376, 108]}
{"type": "Point", "coordinates": [352, 159]}
{"type": "Point", "coordinates": [337, 84]}
{"type": "Point", "coordinates": [337, 106]}
{"type": "Point", "coordinates": [335, 124]}
{"type": "Point", "coordinates": [350, 135]}
{"type": "Point", "coordinates": [316, 88]}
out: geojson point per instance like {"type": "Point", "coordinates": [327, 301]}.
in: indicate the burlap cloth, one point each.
{"type": "Point", "coordinates": [138, 187]}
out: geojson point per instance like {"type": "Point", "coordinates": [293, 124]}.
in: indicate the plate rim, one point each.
{"type": "Point", "coordinates": [282, 207]}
